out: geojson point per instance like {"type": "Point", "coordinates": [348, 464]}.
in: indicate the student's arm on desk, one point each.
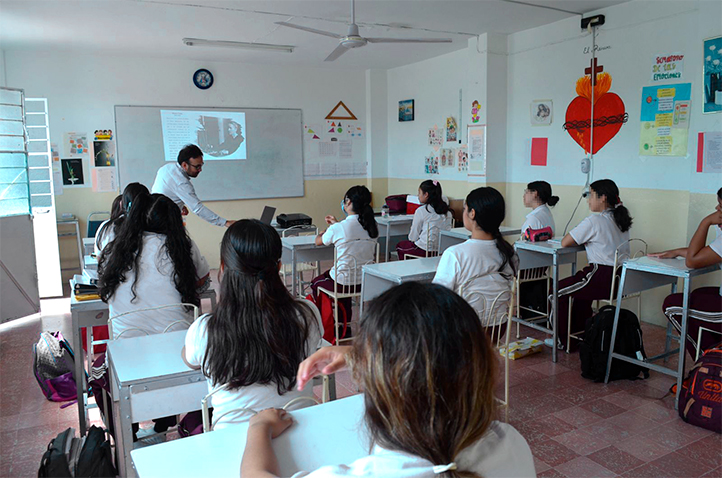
{"type": "Point", "coordinates": [319, 239]}
{"type": "Point", "coordinates": [698, 254]}
{"type": "Point", "coordinates": [259, 459]}
{"type": "Point", "coordinates": [185, 360]}
{"type": "Point", "coordinates": [568, 241]}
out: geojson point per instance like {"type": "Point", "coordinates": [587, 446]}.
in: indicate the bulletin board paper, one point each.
{"type": "Point", "coordinates": [665, 120]}
{"type": "Point", "coordinates": [476, 137]}
{"type": "Point", "coordinates": [709, 152]}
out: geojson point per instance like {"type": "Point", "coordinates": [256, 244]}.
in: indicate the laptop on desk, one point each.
{"type": "Point", "coordinates": [267, 215]}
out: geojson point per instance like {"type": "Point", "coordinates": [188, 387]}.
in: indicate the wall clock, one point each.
{"type": "Point", "coordinates": [203, 79]}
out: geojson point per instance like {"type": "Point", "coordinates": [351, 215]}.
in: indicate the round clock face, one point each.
{"type": "Point", "coordinates": [203, 79]}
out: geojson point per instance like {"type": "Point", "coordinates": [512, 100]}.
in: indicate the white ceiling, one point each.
{"type": "Point", "coordinates": [154, 28]}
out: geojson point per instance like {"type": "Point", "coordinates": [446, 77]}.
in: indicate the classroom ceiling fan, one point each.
{"type": "Point", "coordinates": [353, 40]}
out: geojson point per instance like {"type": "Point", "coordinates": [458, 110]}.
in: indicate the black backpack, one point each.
{"type": "Point", "coordinates": [594, 350]}
{"type": "Point", "coordinates": [87, 457]}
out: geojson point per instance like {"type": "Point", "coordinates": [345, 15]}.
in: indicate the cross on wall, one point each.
{"type": "Point", "coordinates": [593, 70]}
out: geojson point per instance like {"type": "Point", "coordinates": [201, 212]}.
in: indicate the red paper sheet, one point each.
{"type": "Point", "coordinates": [539, 151]}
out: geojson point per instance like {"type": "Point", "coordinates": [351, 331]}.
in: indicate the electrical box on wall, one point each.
{"type": "Point", "coordinates": [595, 21]}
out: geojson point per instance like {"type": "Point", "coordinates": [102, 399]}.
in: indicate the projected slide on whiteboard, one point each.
{"type": "Point", "coordinates": [219, 134]}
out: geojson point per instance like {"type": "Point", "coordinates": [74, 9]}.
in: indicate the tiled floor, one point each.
{"type": "Point", "coordinates": [574, 427]}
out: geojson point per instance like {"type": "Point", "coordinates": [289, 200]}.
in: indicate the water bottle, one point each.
{"type": "Point", "coordinates": [384, 210]}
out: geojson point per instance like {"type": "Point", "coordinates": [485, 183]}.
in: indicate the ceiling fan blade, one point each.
{"type": "Point", "coordinates": [307, 29]}
{"type": "Point", "coordinates": [409, 40]}
{"type": "Point", "coordinates": [340, 50]}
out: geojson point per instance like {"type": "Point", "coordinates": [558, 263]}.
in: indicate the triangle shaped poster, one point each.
{"type": "Point", "coordinates": [348, 115]}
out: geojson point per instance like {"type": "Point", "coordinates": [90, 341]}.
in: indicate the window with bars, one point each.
{"type": "Point", "coordinates": [14, 179]}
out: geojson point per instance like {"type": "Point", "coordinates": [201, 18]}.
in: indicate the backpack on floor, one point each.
{"type": "Point", "coordinates": [54, 367]}
{"type": "Point", "coordinates": [67, 456]}
{"type": "Point", "coordinates": [325, 308]}
{"type": "Point", "coordinates": [700, 401]}
{"type": "Point", "coordinates": [594, 350]}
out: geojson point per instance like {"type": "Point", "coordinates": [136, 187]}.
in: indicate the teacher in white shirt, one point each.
{"type": "Point", "coordinates": [174, 181]}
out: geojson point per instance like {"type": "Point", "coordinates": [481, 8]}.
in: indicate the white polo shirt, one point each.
{"type": "Point", "coordinates": [600, 236]}
{"type": "Point", "coordinates": [425, 219]}
{"type": "Point", "coordinates": [539, 218]}
{"type": "Point", "coordinates": [175, 183]}
{"type": "Point", "coordinates": [476, 257]}
{"type": "Point", "coordinates": [258, 396]}
{"type": "Point", "coordinates": [502, 452]}
{"type": "Point", "coordinates": [351, 241]}
{"type": "Point", "coordinates": [104, 235]}
{"type": "Point", "coordinates": [155, 287]}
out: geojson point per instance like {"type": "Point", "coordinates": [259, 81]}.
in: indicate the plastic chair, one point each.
{"type": "Point", "coordinates": [145, 332]}
{"type": "Point", "coordinates": [94, 224]}
{"type": "Point", "coordinates": [352, 273]}
{"type": "Point", "coordinates": [432, 240]}
{"type": "Point", "coordinates": [493, 313]}
{"type": "Point", "coordinates": [301, 267]}
{"type": "Point", "coordinates": [625, 251]}
{"type": "Point", "coordinates": [674, 315]}
{"type": "Point", "coordinates": [205, 408]}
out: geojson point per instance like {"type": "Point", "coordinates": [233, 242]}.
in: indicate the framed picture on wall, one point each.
{"type": "Point", "coordinates": [406, 110]}
{"type": "Point", "coordinates": [541, 112]}
{"type": "Point", "coordinates": [712, 75]}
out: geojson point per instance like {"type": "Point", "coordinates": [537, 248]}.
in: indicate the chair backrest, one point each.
{"type": "Point", "coordinates": [94, 222]}
{"type": "Point", "coordinates": [630, 249]}
{"type": "Point", "coordinates": [348, 266]}
{"type": "Point", "coordinates": [168, 328]}
{"type": "Point", "coordinates": [493, 308]}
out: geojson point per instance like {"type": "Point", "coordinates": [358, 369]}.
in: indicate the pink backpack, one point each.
{"type": "Point", "coordinates": [700, 402]}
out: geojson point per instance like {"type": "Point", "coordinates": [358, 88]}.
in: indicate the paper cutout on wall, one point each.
{"type": "Point", "coordinates": [76, 145]}
{"type": "Point", "coordinates": [664, 120]}
{"type": "Point", "coordinates": [609, 110]}
{"type": "Point", "coordinates": [344, 114]}
{"type": "Point", "coordinates": [431, 164]}
{"type": "Point", "coordinates": [539, 151]}
{"type": "Point", "coordinates": [435, 138]}
{"type": "Point", "coordinates": [475, 109]}
{"type": "Point", "coordinates": [450, 129]}
{"type": "Point", "coordinates": [462, 159]}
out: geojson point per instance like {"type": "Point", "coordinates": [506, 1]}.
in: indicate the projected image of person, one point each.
{"type": "Point", "coordinates": [219, 136]}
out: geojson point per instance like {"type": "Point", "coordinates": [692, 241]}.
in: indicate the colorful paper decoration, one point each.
{"type": "Point", "coordinates": [348, 115]}
{"type": "Point", "coordinates": [475, 108]}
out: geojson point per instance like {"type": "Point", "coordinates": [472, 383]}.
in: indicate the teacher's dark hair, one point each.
{"type": "Point", "coordinates": [189, 151]}
{"type": "Point", "coordinates": [258, 332]}
{"type": "Point", "coordinates": [360, 198]}
{"type": "Point", "coordinates": [154, 213]}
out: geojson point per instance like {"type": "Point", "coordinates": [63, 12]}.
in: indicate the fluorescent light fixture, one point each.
{"type": "Point", "coordinates": [237, 44]}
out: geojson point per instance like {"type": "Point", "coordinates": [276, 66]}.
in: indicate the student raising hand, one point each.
{"type": "Point", "coordinates": [326, 361]}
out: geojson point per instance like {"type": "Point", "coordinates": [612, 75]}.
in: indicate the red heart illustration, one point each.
{"type": "Point", "coordinates": [577, 120]}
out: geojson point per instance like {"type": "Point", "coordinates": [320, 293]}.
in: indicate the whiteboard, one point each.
{"type": "Point", "coordinates": [273, 168]}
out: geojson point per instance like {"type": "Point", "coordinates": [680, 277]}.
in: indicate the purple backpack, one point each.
{"type": "Point", "coordinates": [700, 402]}
{"type": "Point", "coordinates": [54, 367]}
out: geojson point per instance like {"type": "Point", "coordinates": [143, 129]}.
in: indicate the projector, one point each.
{"type": "Point", "coordinates": [290, 220]}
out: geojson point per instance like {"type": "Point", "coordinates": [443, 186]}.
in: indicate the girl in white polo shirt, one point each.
{"type": "Point", "coordinates": [600, 234]}
{"type": "Point", "coordinates": [258, 335]}
{"type": "Point", "coordinates": [432, 217]}
{"type": "Point", "coordinates": [485, 254]}
{"type": "Point", "coordinates": [702, 299]}
{"type": "Point", "coordinates": [121, 205]}
{"type": "Point", "coordinates": [428, 374]}
{"type": "Point", "coordinates": [355, 241]}
{"type": "Point", "coordinates": [538, 196]}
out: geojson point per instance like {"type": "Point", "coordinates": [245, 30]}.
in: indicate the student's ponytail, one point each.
{"type": "Point", "coordinates": [607, 188]}
{"type": "Point", "coordinates": [436, 199]}
{"type": "Point", "coordinates": [544, 192]}
{"type": "Point", "coordinates": [360, 198]}
{"type": "Point", "coordinates": [488, 204]}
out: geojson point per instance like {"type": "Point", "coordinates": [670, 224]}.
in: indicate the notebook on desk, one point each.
{"type": "Point", "coordinates": [267, 215]}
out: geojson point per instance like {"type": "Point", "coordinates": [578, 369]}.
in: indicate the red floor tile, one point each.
{"type": "Point", "coordinates": [552, 452]}
{"type": "Point", "coordinates": [551, 473]}
{"type": "Point", "coordinates": [608, 431]}
{"type": "Point", "coordinates": [657, 412]}
{"type": "Point", "coordinates": [578, 417]}
{"type": "Point", "coordinates": [642, 448]}
{"type": "Point", "coordinates": [603, 408]}
{"type": "Point", "coordinates": [583, 467]}
{"type": "Point", "coordinates": [625, 400]}
{"type": "Point", "coordinates": [668, 438]}
{"type": "Point", "coordinates": [706, 451]}
{"type": "Point", "coordinates": [632, 422]}
{"type": "Point", "coordinates": [675, 465]}
{"type": "Point", "coordinates": [582, 442]}
{"type": "Point", "coordinates": [575, 395]}
{"type": "Point", "coordinates": [615, 459]}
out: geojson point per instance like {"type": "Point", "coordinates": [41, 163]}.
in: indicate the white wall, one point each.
{"type": "Point", "coordinates": [545, 62]}
{"type": "Point", "coordinates": [2, 68]}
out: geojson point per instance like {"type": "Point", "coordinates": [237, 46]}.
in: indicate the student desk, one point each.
{"type": "Point", "coordinates": [546, 254]}
{"type": "Point", "coordinates": [148, 379]}
{"type": "Point", "coordinates": [88, 245]}
{"type": "Point", "coordinates": [378, 278]}
{"type": "Point", "coordinates": [394, 226]}
{"type": "Point", "coordinates": [90, 262]}
{"type": "Point", "coordinates": [331, 433]}
{"type": "Point", "coordinates": [293, 230]}
{"type": "Point", "coordinates": [90, 313]}
{"type": "Point", "coordinates": [303, 249]}
{"type": "Point", "coordinates": [646, 273]}
{"type": "Point", "coordinates": [458, 235]}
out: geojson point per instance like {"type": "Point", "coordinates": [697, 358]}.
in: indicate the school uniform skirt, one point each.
{"type": "Point", "coordinates": [408, 247]}
{"type": "Point", "coordinates": [594, 282]}
{"type": "Point", "coordinates": [703, 299]}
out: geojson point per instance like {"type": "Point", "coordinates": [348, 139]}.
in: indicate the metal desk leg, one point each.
{"type": "Point", "coordinates": [294, 279]}
{"type": "Point", "coordinates": [614, 326]}
{"type": "Point", "coordinates": [79, 375]}
{"type": "Point", "coordinates": [555, 308]}
{"type": "Point", "coordinates": [123, 432]}
{"type": "Point", "coordinates": [668, 338]}
{"type": "Point", "coordinates": [80, 246]}
{"type": "Point", "coordinates": [331, 386]}
{"type": "Point", "coordinates": [682, 340]}
{"type": "Point", "coordinates": [388, 239]}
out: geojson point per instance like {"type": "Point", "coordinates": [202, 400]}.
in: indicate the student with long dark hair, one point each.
{"type": "Point", "coordinates": [485, 254]}
{"type": "Point", "coordinates": [352, 239]}
{"type": "Point", "coordinates": [258, 334]}
{"type": "Point", "coordinates": [430, 218]}
{"type": "Point", "coordinates": [428, 373]}
{"type": "Point", "coordinates": [538, 196]}
{"type": "Point", "coordinates": [600, 234]}
{"type": "Point", "coordinates": [121, 205]}
{"type": "Point", "coordinates": [702, 299]}
{"type": "Point", "coordinates": [151, 262]}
